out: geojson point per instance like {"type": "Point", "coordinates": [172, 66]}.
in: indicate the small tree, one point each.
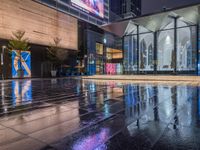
{"type": "Point", "coordinates": [55, 54]}
{"type": "Point", "coordinates": [19, 43]}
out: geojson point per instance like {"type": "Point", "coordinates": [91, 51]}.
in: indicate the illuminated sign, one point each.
{"type": "Point", "coordinates": [21, 60]}
{"type": "Point", "coordinates": [90, 6]}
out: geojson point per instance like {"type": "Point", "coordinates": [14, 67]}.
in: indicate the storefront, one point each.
{"type": "Point", "coordinates": [104, 56]}
{"type": "Point", "coordinates": [163, 43]}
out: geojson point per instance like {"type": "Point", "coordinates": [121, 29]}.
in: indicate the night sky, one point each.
{"type": "Point", "coordinates": [149, 6]}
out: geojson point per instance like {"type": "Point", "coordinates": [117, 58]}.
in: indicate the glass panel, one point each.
{"type": "Point", "coordinates": [99, 49]}
{"type": "Point", "coordinates": [186, 48]}
{"type": "Point", "coordinates": [166, 50]}
{"type": "Point", "coordinates": [142, 29]}
{"type": "Point", "coordinates": [113, 54]}
{"type": "Point", "coordinates": [99, 58]}
{"type": "Point", "coordinates": [127, 46]}
{"type": "Point", "coordinates": [113, 61]}
{"type": "Point", "coordinates": [130, 53]}
{"type": "Point", "coordinates": [183, 23]}
{"type": "Point", "coordinates": [146, 52]}
{"type": "Point", "coordinates": [167, 24]}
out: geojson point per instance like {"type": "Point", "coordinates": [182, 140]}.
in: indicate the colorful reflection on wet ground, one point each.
{"type": "Point", "coordinates": [75, 114]}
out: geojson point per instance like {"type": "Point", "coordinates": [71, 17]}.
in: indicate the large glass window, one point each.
{"type": "Point", "coordinates": [166, 51]}
{"type": "Point", "coordinates": [146, 52]}
{"type": "Point", "coordinates": [99, 58]}
{"type": "Point", "coordinates": [186, 48]}
{"type": "Point", "coordinates": [181, 58]}
{"type": "Point", "coordinates": [130, 53]}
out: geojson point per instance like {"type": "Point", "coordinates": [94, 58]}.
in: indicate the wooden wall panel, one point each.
{"type": "Point", "coordinates": [42, 24]}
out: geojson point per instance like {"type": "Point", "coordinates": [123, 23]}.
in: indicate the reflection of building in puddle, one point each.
{"type": "Point", "coordinates": [131, 98]}
{"type": "Point", "coordinates": [3, 103]}
{"type": "Point", "coordinates": [91, 94]}
{"type": "Point", "coordinates": [199, 102]}
{"type": "Point", "coordinates": [92, 141]}
{"type": "Point", "coordinates": [137, 98]}
{"type": "Point", "coordinates": [101, 98]}
{"type": "Point", "coordinates": [166, 93]}
{"type": "Point", "coordinates": [92, 87]}
{"type": "Point", "coordinates": [21, 92]}
{"type": "Point", "coordinates": [114, 90]}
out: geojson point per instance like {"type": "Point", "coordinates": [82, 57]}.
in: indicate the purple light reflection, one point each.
{"type": "Point", "coordinates": [92, 141]}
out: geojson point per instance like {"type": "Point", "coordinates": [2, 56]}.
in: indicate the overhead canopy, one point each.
{"type": "Point", "coordinates": [191, 14]}
{"type": "Point", "coordinates": [117, 28]}
{"type": "Point", "coordinates": [154, 22]}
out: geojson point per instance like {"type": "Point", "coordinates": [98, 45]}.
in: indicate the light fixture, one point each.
{"type": "Point", "coordinates": [104, 41]}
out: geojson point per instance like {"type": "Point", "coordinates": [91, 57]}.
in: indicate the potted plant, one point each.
{"type": "Point", "coordinates": [18, 43]}
{"type": "Point", "coordinates": [56, 55]}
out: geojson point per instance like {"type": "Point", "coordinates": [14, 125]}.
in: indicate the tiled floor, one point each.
{"type": "Point", "coordinates": [75, 114]}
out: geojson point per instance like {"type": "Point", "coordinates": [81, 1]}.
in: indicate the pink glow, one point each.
{"type": "Point", "coordinates": [92, 141]}
{"type": "Point", "coordinates": [110, 68]}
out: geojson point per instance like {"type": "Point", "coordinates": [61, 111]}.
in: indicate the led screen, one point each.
{"type": "Point", "coordinates": [90, 6]}
{"type": "Point", "coordinates": [21, 60]}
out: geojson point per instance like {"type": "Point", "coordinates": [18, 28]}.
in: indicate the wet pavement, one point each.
{"type": "Point", "coordinates": [75, 114]}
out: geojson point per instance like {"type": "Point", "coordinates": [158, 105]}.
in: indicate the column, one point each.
{"type": "Point", "coordinates": [175, 45]}
{"type": "Point", "coordinates": [138, 47]}
{"type": "Point", "coordinates": [155, 52]}
{"type": "Point", "coordinates": [198, 55]}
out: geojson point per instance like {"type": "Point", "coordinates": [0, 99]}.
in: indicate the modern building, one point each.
{"type": "Point", "coordinates": [76, 23]}
{"type": "Point", "coordinates": [160, 43]}
{"type": "Point", "coordinates": [41, 25]}
{"type": "Point", "coordinates": [78, 9]}
{"type": "Point", "coordinates": [125, 8]}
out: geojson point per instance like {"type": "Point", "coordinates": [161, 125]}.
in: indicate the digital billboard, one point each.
{"type": "Point", "coordinates": [90, 6]}
{"type": "Point", "coordinates": [21, 60]}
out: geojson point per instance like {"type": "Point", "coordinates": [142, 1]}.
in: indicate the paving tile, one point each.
{"type": "Point", "coordinates": [84, 114]}
{"type": "Point", "coordinates": [33, 115]}
{"type": "Point", "coordinates": [24, 144]}
{"type": "Point", "coordinates": [8, 135]}
{"type": "Point", "coordinates": [55, 133]}
{"type": "Point", "coordinates": [43, 123]}
{"type": "Point", "coordinates": [2, 127]}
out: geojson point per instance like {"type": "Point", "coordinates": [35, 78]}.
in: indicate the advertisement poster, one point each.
{"type": "Point", "coordinates": [23, 63]}
{"type": "Point", "coordinates": [90, 6]}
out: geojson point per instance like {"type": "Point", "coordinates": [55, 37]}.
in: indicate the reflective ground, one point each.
{"type": "Point", "coordinates": [72, 114]}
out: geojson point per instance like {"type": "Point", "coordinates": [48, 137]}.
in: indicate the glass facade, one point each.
{"type": "Point", "coordinates": [66, 6]}
{"type": "Point", "coordinates": [99, 58]}
{"type": "Point", "coordinates": [146, 52]}
{"type": "Point", "coordinates": [186, 48]}
{"type": "Point", "coordinates": [165, 51]}
{"type": "Point", "coordinates": [130, 53]}
{"type": "Point", "coordinates": [172, 48]}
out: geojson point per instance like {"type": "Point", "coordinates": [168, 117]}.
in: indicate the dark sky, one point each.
{"type": "Point", "coordinates": [149, 6]}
